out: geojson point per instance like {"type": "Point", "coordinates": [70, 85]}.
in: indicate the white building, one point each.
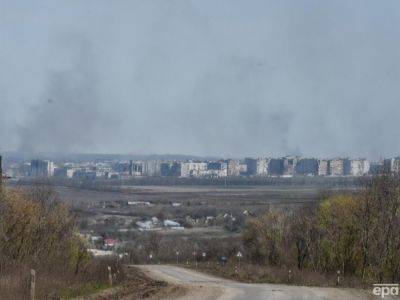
{"type": "Point", "coordinates": [216, 169]}
{"type": "Point", "coordinates": [359, 167]}
{"type": "Point", "coordinates": [262, 166]}
{"type": "Point", "coordinates": [393, 164]}
{"type": "Point", "coordinates": [323, 167]}
{"type": "Point", "coordinates": [193, 169]}
{"type": "Point", "coordinates": [233, 167]}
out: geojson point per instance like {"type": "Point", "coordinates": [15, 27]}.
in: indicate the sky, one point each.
{"type": "Point", "coordinates": [224, 78]}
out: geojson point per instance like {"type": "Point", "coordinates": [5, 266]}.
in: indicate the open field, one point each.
{"type": "Point", "coordinates": [203, 210]}
{"type": "Point", "coordinates": [164, 196]}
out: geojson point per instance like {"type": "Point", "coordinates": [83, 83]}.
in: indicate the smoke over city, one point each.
{"type": "Point", "coordinates": [202, 78]}
{"type": "Point", "coordinates": [70, 113]}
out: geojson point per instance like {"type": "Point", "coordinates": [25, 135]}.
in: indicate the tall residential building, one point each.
{"type": "Point", "coordinates": [64, 172]}
{"type": "Point", "coordinates": [243, 168]}
{"type": "Point", "coordinates": [170, 169]}
{"type": "Point", "coordinates": [262, 167]}
{"type": "Point", "coordinates": [216, 169]}
{"type": "Point", "coordinates": [257, 166]}
{"type": "Point", "coordinates": [42, 168]}
{"type": "Point", "coordinates": [233, 167]}
{"type": "Point", "coordinates": [151, 168]}
{"type": "Point", "coordinates": [359, 167]}
{"type": "Point", "coordinates": [276, 166]}
{"type": "Point", "coordinates": [289, 165]}
{"type": "Point", "coordinates": [339, 167]}
{"type": "Point", "coordinates": [323, 167]}
{"type": "Point", "coordinates": [376, 167]}
{"type": "Point", "coordinates": [135, 168]}
{"type": "Point", "coordinates": [395, 165]}
{"type": "Point", "coordinates": [336, 167]}
{"type": "Point", "coordinates": [193, 169]}
{"type": "Point", "coordinates": [251, 164]}
{"type": "Point", "coordinates": [307, 166]}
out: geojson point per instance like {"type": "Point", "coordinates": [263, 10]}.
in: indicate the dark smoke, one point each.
{"type": "Point", "coordinates": [221, 78]}
{"type": "Point", "coordinates": [71, 113]}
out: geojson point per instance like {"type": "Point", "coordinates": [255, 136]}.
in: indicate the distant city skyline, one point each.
{"type": "Point", "coordinates": [115, 168]}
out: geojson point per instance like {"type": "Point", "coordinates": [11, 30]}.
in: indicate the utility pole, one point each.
{"type": "Point", "coordinates": [33, 284]}
{"type": "Point", "coordinates": [1, 173]}
{"type": "Point", "coordinates": [1, 169]}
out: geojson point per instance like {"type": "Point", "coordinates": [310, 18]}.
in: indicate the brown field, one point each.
{"type": "Point", "coordinates": [108, 210]}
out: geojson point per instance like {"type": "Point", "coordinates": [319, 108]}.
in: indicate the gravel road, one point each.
{"type": "Point", "coordinates": [204, 286]}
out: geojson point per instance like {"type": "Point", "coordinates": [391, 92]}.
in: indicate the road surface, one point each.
{"type": "Point", "coordinates": [204, 286]}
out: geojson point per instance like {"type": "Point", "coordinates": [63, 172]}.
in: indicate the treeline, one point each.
{"type": "Point", "coordinates": [113, 184]}
{"type": "Point", "coordinates": [356, 234]}
{"type": "Point", "coordinates": [38, 232]}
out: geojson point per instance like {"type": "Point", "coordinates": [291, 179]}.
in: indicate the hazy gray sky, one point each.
{"type": "Point", "coordinates": [229, 78]}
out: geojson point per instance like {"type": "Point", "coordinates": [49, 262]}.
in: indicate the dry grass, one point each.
{"type": "Point", "coordinates": [139, 286]}
{"type": "Point", "coordinates": [57, 282]}
{"type": "Point", "coordinates": [250, 273]}
{"type": "Point", "coordinates": [92, 283]}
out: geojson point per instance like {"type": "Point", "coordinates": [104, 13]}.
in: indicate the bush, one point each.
{"type": "Point", "coordinates": [38, 232]}
{"type": "Point", "coordinates": [357, 234]}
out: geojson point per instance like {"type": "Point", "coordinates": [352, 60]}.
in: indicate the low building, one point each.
{"type": "Point", "coordinates": [91, 172]}
{"type": "Point", "coordinates": [110, 243]}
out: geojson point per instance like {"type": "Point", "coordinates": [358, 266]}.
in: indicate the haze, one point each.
{"type": "Point", "coordinates": [228, 78]}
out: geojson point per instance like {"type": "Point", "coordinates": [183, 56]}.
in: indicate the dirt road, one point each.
{"type": "Point", "coordinates": [203, 286]}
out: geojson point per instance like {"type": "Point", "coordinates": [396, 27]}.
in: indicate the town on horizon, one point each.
{"type": "Point", "coordinates": [180, 166]}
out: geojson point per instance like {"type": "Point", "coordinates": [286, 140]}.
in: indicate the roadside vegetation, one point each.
{"type": "Point", "coordinates": [38, 232]}
{"type": "Point", "coordinates": [355, 235]}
